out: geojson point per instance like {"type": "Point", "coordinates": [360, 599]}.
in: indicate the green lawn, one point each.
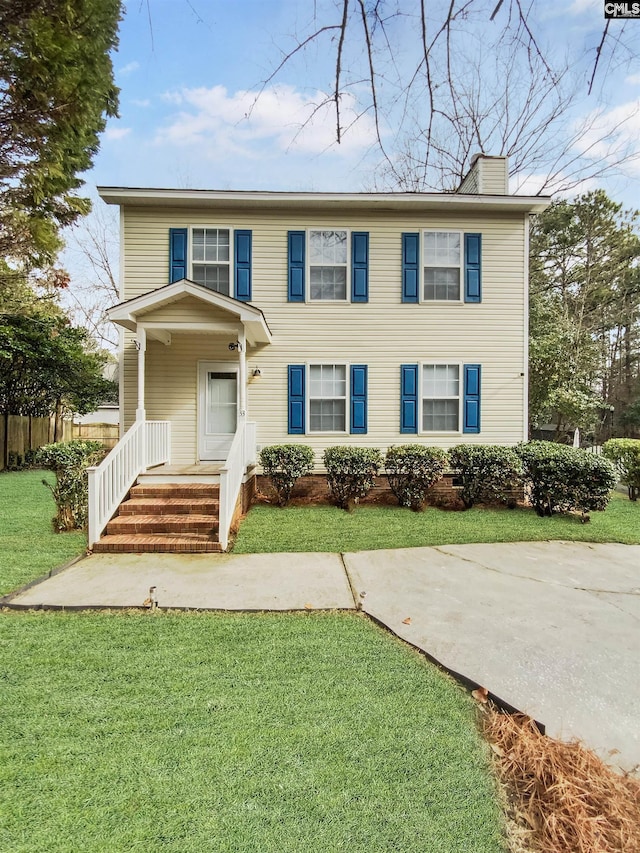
{"type": "Point", "coordinates": [326, 528]}
{"type": "Point", "coordinates": [246, 732]}
{"type": "Point", "coordinates": [28, 546]}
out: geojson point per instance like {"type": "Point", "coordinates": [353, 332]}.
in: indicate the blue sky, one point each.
{"type": "Point", "coordinates": [189, 72]}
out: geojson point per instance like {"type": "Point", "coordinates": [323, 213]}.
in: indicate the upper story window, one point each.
{"type": "Point", "coordinates": [211, 258]}
{"type": "Point", "coordinates": [328, 265]}
{"type": "Point", "coordinates": [328, 259]}
{"type": "Point", "coordinates": [442, 265]}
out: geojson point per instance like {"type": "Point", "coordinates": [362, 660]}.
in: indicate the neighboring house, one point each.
{"type": "Point", "coordinates": [109, 413]}
{"type": "Point", "coordinates": [258, 318]}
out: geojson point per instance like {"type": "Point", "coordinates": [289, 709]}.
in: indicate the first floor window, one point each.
{"type": "Point", "coordinates": [442, 265]}
{"type": "Point", "coordinates": [327, 398]}
{"type": "Point", "coordinates": [328, 257]}
{"type": "Point", "coordinates": [441, 397]}
{"type": "Point", "coordinates": [210, 258]}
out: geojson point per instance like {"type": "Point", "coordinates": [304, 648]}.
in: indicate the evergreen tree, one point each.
{"type": "Point", "coordinates": [584, 315]}
{"type": "Point", "coordinates": [56, 93]}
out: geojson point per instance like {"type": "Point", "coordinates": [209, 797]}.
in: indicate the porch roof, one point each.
{"type": "Point", "coordinates": [131, 313]}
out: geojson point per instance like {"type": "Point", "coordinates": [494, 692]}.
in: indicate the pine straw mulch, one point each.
{"type": "Point", "coordinates": [561, 797]}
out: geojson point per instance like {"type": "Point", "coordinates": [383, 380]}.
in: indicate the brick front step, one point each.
{"type": "Point", "coordinates": [176, 490]}
{"type": "Point", "coordinates": [204, 524]}
{"type": "Point", "coordinates": [169, 506]}
{"type": "Point", "coordinates": [143, 542]}
{"type": "Point", "coordinates": [166, 517]}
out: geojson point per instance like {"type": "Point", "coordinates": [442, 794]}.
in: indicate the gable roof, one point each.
{"type": "Point", "coordinates": [128, 314]}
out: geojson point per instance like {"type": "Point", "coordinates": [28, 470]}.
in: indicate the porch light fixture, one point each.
{"type": "Point", "coordinates": [256, 373]}
{"type": "Point", "coordinates": [235, 345]}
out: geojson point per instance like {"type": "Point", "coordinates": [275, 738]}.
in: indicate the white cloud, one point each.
{"type": "Point", "coordinates": [220, 123]}
{"type": "Point", "coordinates": [129, 68]}
{"type": "Point", "coordinates": [632, 79]}
{"type": "Point", "coordinates": [539, 184]}
{"type": "Point", "coordinates": [606, 147]}
{"type": "Point", "coordinates": [579, 7]}
{"type": "Point", "coordinates": [141, 102]}
{"type": "Point", "coordinates": [113, 133]}
{"type": "Point", "coordinates": [610, 135]}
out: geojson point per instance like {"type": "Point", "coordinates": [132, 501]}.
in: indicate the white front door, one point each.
{"type": "Point", "coordinates": [217, 409]}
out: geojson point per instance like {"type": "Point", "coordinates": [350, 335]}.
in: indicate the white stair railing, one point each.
{"type": "Point", "coordinates": [145, 444]}
{"type": "Point", "coordinates": [241, 454]}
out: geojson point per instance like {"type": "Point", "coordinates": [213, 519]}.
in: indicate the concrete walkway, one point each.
{"type": "Point", "coordinates": [198, 582]}
{"type": "Point", "coordinates": [550, 628]}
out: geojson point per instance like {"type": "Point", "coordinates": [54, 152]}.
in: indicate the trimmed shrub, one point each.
{"type": "Point", "coordinates": [69, 461]}
{"type": "Point", "coordinates": [487, 472]}
{"type": "Point", "coordinates": [411, 470]}
{"type": "Point", "coordinates": [351, 472]}
{"type": "Point", "coordinates": [283, 464]}
{"type": "Point", "coordinates": [564, 478]}
{"type": "Point", "coordinates": [625, 455]}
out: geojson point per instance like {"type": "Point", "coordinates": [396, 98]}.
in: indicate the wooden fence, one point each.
{"type": "Point", "coordinates": [108, 434]}
{"type": "Point", "coordinates": [21, 433]}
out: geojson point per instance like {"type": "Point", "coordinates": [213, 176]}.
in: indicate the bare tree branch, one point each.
{"type": "Point", "coordinates": [598, 53]}
{"type": "Point", "coordinates": [343, 32]}
{"type": "Point", "coordinates": [94, 289]}
{"type": "Point", "coordinates": [460, 87]}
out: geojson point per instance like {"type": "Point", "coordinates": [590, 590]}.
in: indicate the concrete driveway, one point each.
{"type": "Point", "coordinates": [551, 628]}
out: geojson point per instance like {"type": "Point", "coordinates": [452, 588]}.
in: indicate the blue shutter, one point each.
{"type": "Point", "coordinates": [358, 399]}
{"type": "Point", "coordinates": [473, 267]}
{"type": "Point", "coordinates": [471, 408]}
{"type": "Point", "coordinates": [242, 259]}
{"type": "Point", "coordinates": [410, 267]}
{"type": "Point", "coordinates": [359, 266]}
{"type": "Point", "coordinates": [177, 254]}
{"type": "Point", "coordinates": [409, 398]}
{"type": "Point", "coordinates": [296, 266]}
{"type": "Point", "coordinates": [296, 399]}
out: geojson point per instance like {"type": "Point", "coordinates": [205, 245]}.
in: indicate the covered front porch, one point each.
{"type": "Point", "coordinates": [186, 368]}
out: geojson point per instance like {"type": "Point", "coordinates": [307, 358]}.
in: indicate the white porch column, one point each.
{"type": "Point", "coordinates": [242, 340]}
{"type": "Point", "coordinates": [141, 343]}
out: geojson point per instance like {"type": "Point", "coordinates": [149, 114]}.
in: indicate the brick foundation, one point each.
{"type": "Point", "coordinates": [314, 490]}
{"type": "Point", "coordinates": [243, 504]}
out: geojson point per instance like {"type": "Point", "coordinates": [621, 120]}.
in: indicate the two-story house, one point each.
{"type": "Point", "coordinates": [258, 318]}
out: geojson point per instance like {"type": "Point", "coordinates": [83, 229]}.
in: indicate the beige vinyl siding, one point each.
{"type": "Point", "coordinates": [494, 176]}
{"type": "Point", "coordinates": [187, 309]}
{"type": "Point", "coordinates": [487, 176]}
{"type": "Point", "coordinates": [470, 184]}
{"type": "Point", "coordinates": [383, 333]}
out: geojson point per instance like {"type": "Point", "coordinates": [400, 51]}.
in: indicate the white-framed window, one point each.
{"type": "Point", "coordinates": [328, 389]}
{"type": "Point", "coordinates": [328, 254]}
{"type": "Point", "coordinates": [442, 268]}
{"type": "Point", "coordinates": [211, 258]}
{"type": "Point", "coordinates": [441, 397]}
